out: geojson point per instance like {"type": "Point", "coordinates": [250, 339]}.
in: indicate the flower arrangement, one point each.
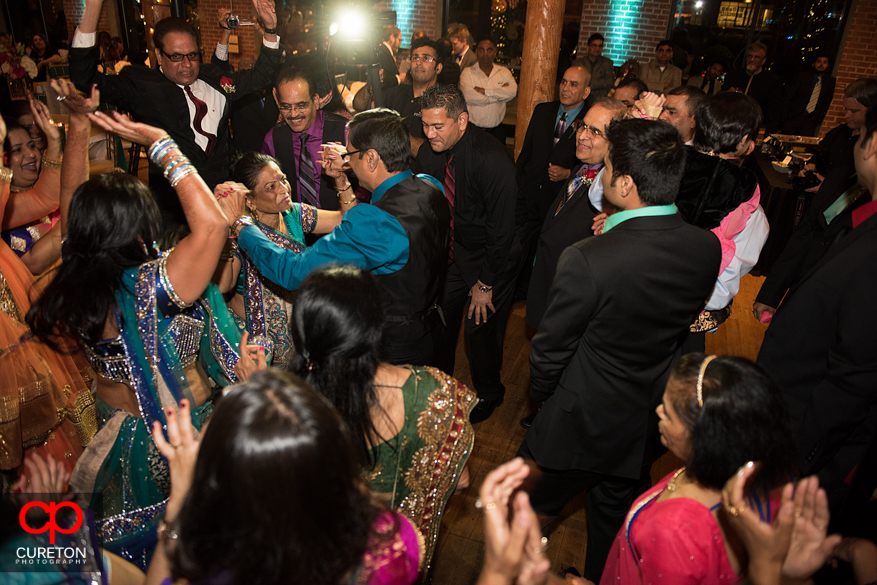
{"type": "Point", "coordinates": [15, 64]}
{"type": "Point", "coordinates": [227, 83]}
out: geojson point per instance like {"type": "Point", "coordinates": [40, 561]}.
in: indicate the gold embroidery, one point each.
{"type": "Point", "coordinates": [7, 302]}
{"type": "Point", "coordinates": [84, 417]}
{"type": "Point", "coordinates": [18, 244]}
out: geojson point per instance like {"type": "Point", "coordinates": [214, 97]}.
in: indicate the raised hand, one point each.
{"type": "Point", "coordinates": [810, 547]}
{"type": "Point", "coordinates": [231, 197]}
{"type": "Point", "coordinates": [47, 476]}
{"type": "Point", "coordinates": [246, 366]}
{"type": "Point", "coordinates": [180, 450]}
{"type": "Point", "coordinates": [265, 10]}
{"type": "Point", "coordinates": [44, 120]}
{"type": "Point", "coordinates": [332, 160]}
{"type": "Point", "coordinates": [124, 127]}
{"type": "Point", "coordinates": [76, 103]}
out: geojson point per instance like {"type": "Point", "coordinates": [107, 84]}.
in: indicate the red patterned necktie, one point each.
{"type": "Point", "coordinates": [450, 192]}
{"type": "Point", "coordinates": [200, 113]}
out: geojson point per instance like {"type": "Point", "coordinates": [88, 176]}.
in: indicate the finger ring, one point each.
{"type": "Point", "coordinates": [538, 550]}
{"type": "Point", "coordinates": [176, 446]}
{"type": "Point", "coordinates": [61, 98]}
{"type": "Point", "coordinates": [544, 541]}
{"type": "Point", "coordinates": [732, 510]}
{"type": "Point", "coordinates": [489, 506]}
{"type": "Point", "coordinates": [797, 514]}
{"type": "Point", "coordinates": [479, 504]}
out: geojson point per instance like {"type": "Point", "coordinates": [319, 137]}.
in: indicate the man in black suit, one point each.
{"type": "Point", "coordinates": [571, 214]}
{"type": "Point", "coordinates": [546, 159]}
{"type": "Point", "coordinates": [819, 347]}
{"type": "Point", "coordinates": [479, 180]}
{"type": "Point", "coordinates": [386, 53]}
{"type": "Point", "coordinates": [189, 99]}
{"type": "Point", "coordinates": [808, 97]}
{"type": "Point", "coordinates": [618, 306]}
{"type": "Point", "coordinates": [761, 84]}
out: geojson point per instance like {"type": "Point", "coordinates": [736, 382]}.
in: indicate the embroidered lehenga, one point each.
{"type": "Point", "coordinates": [45, 404]}
{"type": "Point", "coordinates": [160, 339]}
{"type": "Point", "coordinates": [268, 306]}
{"type": "Point", "coordinates": [421, 465]}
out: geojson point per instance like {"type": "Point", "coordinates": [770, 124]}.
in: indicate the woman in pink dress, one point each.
{"type": "Point", "coordinates": [717, 414]}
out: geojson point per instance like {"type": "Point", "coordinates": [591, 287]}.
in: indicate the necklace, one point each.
{"type": "Point", "coordinates": [672, 487]}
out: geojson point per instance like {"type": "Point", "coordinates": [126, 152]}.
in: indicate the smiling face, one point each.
{"type": "Point", "coordinates": [183, 72]}
{"type": "Point", "coordinates": [24, 159]}
{"type": "Point", "coordinates": [442, 131]}
{"type": "Point", "coordinates": [297, 107]}
{"type": "Point", "coordinates": [591, 147]}
{"type": "Point", "coordinates": [272, 193]}
{"type": "Point", "coordinates": [715, 70]}
{"type": "Point", "coordinates": [674, 434]}
{"type": "Point", "coordinates": [38, 43]}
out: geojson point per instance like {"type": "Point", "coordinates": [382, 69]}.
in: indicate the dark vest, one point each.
{"type": "Point", "coordinates": [712, 188]}
{"type": "Point", "coordinates": [333, 131]}
{"type": "Point", "coordinates": [410, 294]}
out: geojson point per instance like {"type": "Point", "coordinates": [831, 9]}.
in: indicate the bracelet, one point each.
{"type": "Point", "coordinates": [181, 173]}
{"type": "Point", "coordinates": [348, 202]}
{"type": "Point", "coordinates": [483, 287]}
{"type": "Point", "coordinates": [271, 31]}
{"type": "Point", "coordinates": [339, 191]}
{"type": "Point", "coordinates": [162, 145]}
{"type": "Point", "coordinates": [6, 175]}
{"type": "Point", "coordinates": [53, 164]}
{"type": "Point", "coordinates": [165, 532]}
{"type": "Point", "coordinates": [223, 27]}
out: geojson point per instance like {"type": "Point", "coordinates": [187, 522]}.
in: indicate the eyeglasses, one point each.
{"type": "Point", "coordinates": [177, 57]}
{"type": "Point", "coordinates": [596, 45]}
{"type": "Point", "coordinates": [347, 154]}
{"type": "Point", "coordinates": [424, 58]}
{"type": "Point", "coordinates": [299, 107]}
{"type": "Point", "coordinates": [585, 129]}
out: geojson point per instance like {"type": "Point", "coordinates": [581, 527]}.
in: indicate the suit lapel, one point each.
{"type": "Point", "coordinates": [569, 133]}
{"type": "Point", "coordinates": [552, 216]}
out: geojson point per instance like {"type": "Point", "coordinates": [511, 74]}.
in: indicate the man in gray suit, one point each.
{"type": "Point", "coordinates": [464, 56]}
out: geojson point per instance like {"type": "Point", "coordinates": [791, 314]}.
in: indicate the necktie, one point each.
{"type": "Point", "coordinates": [560, 128]}
{"type": "Point", "coordinates": [307, 182]}
{"type": "Point", "coordinates": [200, 112]}
{"type": "Point", "coordinates": [814, 95]}
{"type": "Point", "coordinates": [458, 58]}
{"type": "Point", "coordinates": [450, 185]}
{"type": "Point", "coordinates": [846, 199]}
{"type": "Point", "coordinates": [573, 187]}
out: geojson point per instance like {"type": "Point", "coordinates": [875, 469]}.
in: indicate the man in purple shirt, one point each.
{"type": "Point", "coordinates": [303, 124]}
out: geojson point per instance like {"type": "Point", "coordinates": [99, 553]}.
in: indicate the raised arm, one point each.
{"type": "Point", "coordinates": [88, 24]}
{"type": "Point", "coordinates": [192, 263]}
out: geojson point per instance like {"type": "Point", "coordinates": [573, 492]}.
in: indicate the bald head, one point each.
{"type": "Point", "coordinates": [574, 87]}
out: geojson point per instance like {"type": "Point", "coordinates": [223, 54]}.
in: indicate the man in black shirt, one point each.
{"type": "Point", "coordinates": [405, 98]}
{"type": "Point", "coordinates": [479, 180]}
{"type": "Point", "coordinates": [763, 85]}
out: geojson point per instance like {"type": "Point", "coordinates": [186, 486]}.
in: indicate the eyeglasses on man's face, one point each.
{"type": "Point", "coordinates": [177, 57]}
{"type": "Point", "coordinates": [590, 131]}
{"type": "Point", "coordinates": [299, 107]}
{"type": "Point", "coordinates": [424, 58]}
{"type": "Point", "coordinates": [346, 155]}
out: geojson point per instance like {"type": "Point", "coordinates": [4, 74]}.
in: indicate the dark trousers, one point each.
{"type": "Point", "coordinates": [609, 499]}
{"type": "Point", "coordinates": [484, 341]}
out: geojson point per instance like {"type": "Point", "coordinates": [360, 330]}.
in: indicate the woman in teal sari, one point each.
{"type": "Point", "coordinates": [154, 328]}
{"type": "Point", "coordinates": [260, 306]}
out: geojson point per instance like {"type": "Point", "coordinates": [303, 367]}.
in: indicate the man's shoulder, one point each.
{"type": "Point", "coordinates": [545, 109]}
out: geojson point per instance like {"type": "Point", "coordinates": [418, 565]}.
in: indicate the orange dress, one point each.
{"type": "Point", "coordinates": [45, 404]}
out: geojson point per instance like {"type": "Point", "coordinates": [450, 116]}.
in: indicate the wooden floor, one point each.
{"type": "Point", "coordinates": [460, 549]}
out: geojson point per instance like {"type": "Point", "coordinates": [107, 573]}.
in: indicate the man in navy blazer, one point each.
{"type": "Point", "coordinates": [172, 96]}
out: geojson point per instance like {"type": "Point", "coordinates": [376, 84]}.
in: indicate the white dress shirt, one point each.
{"type": "Point", "coordinates": [488, 110]}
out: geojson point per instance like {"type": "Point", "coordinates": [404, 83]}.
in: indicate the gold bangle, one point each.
{"type": "Point", "coordinates": [53, 164]}
{"type": "Point", "coordinates": [348, 202]}
{"type": "Point", "coordinates": [165, 532]}
{"type": "Point", "coordinates": [6, 175]}
{"type": "Point", "coordinates": [340, 191]}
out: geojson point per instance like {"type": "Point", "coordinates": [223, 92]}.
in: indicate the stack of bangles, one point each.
{"type": "Point", "coordinates": [352, 198]}
{"type": "Point", "coordinates": [165, 153]}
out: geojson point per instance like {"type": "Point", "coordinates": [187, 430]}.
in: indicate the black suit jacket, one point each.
{"type": "Point", "coordinates": [619, 304]}
{"type": "Point", "coordinates": [797, 96]}
{"type": "Point", "coordinates": [819, 349]}
{"type": "Point", "coordinates": [155, 100]}
{"type": "Point", "coordinates": [388, 64]}
{"type": "Point", "coordinates": [572, 224]}
{"type": "Point", "coordinates": [536, 191]}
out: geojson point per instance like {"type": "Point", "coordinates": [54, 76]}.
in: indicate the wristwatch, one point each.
{"type": "Point", "coordinates": [271, 31]}
{"type": "Point", "coordinates": [483, 287]}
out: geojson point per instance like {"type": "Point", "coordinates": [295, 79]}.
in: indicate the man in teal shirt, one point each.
{"type": "Point", "coordinates": [402, 237]}
{"type": "Point", "coordinates": [619, 303]}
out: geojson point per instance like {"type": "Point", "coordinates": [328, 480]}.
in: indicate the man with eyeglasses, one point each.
{"type": "Point", "coordinates": [660, 75]}
{"type": "Point", "coordinates": [478, 175]}
{"type": "Point", "coordinates": [487, 88]}
{"type": "Point", "coordinates": [761, 84]}
{"type": "Point", "coordinates": [296, 141]}
{"type": "Point", "coordinates": [601, 68]}
{"type": "Point", "coordinates": [187, 98]}
{"type": "Point", "coordinates": [402, 237]}
{"type": "Point", "coordinates": [405, 98]}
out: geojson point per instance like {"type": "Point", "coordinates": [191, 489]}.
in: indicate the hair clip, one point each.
{"type": "Point", "coordinates": [703, 366]}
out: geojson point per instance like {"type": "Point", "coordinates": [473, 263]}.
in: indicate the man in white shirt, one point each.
{"type": "Point", "coordinates": [487, 88]}
{"type": "Point", "coordinates": [187, 98]}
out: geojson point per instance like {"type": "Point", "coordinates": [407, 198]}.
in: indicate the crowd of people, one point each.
{"type": "Point", "coordinates": [247, 365]}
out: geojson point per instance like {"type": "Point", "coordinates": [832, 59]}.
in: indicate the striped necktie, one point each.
{"type": "Point", "coordinates": [560, 128]}
{"type": "Point", "coordinates": [306, 180]}
{"type": "Point", "coordinates": [450, 184]}
{"type": "Point", "coordinates": [814, 95]}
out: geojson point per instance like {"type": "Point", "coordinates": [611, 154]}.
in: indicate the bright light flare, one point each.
{"type": "Point", "coordinates": [350, 23]}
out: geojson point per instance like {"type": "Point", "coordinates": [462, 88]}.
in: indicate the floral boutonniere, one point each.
{"type": "Point", "coordinates": [227, 84]}
{"type": "Point", "coordinates": [583, 178]}
{"type": "Point", "coordinates": [576, 125]}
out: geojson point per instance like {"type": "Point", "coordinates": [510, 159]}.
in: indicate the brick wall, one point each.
{"type": "Point", "coordinates": [74, 9]}
{"type": "Point", "coordinates": [632, 28]}
{"type": "Point", "coordinates": [210, 31]}
{"type": "Point", "coordinates": [412, 15]}
{"type": "Point", "coordinates": [858, 58]}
